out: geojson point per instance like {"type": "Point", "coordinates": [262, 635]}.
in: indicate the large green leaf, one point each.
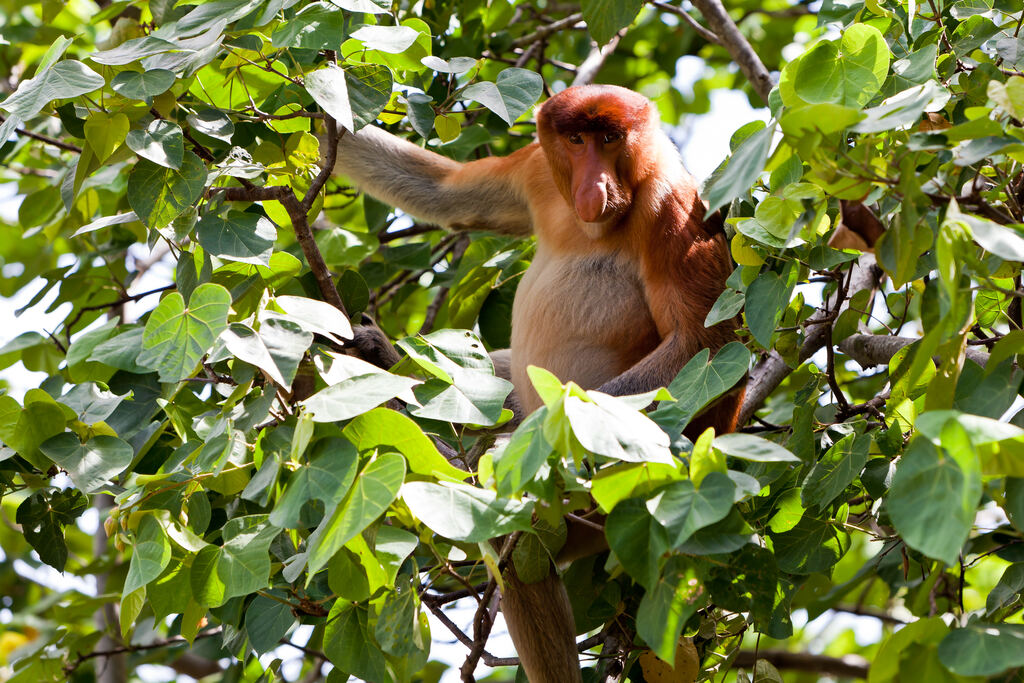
{"type": "Point", "coordinates": [637, 539]}
{"type": "Point", "coordinates": [162, 143]}
{"type": "Point", "coordinates": [813, 545]}
{"type": "Point", "coordinates": [983, 649]}
{"type": "Point", "coordinates": [356, 395]}
{"type": "Point", "coordinates": [391, 429]}
{"type": "Point", "coordinates": [605, 18]}
{"type": "Point", "coordinates": [512, 93]}
{"type": "Point", "coordinates": [753, 448]}
{"type": "Point", "coordinates": [745, 164]}
{"type": "Point", "coordinates": [465, 513]}
{"type": "Point", "coordinates": [159, 194]}
{"type": "Point", "coordinates": [767, 298]}
{"type": "Point", "coordinates": [666, 607]}
{"type": "Point", "coordinates": [683, 508]}
{"type": "Point", "coordinates": [43, 516]}
{"type": "Point", "coordinates": [848, 71]}
{"type": "Point", "coordinates": [91, 464]}
{"type": "Point", "coordinates": [328, 88]}
{"type": "Point", "coordinates": [239, 567]}
{"type": "Point", "coordinates": [932, 500]}
{"type": "Point", "coordinates": [69, 78]}
{"type": "Point", "coordinates": [237, 236]}
{"type": "Point", "coordinates": [150, 555]}
{"type": "Point", "coordinates": [142, 85]}
{"type": "Point", "coordinates": [326, 478]}
{"type": "Point", "coordinates": [349, 645]}
{"type": "Point", "coordinates": [176, 337]}
{"type": "Point", "coordinates": [375, 489]}
{"type": "Point", "coordinates": [836, 470]}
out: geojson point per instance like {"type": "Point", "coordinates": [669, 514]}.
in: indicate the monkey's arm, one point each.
{"type": "Point", "coordinates": [478, 195]}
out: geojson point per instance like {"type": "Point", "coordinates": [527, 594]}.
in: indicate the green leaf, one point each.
{"type": "Point", "coordinates": [753, 448]}
{"type": "Point", "coordinates": [391, 429]}
{"type": "Point", "coordinates": [512, 93]}
{"type": "Point", "coordinates": [981, 649]}
{"type": "Point", "coordinates": [150, 555]}
{"type": "Point", "coordinates": [350, 646]}
{"type": "Point", "coordinates": [836, 470]}
{"type": "Point", "coordinates": [42, 517]}
{"type": "Point", "coordinates": [848, 71]}
{"type": "Point", "coordinates": [932, 501]}
{"type": "Point", "coordinates": [328, 89]}
{"type": "Point", "coordinates": [24, 429]}
{"type": "Point", "coordinates": [142, 85]}
{"type": "Point", "coordinates": [356, 395]}
{"type": "Point", "coordinates": [66, 79]}
{"type": "Point", "coordinates": [1009, 588]}
{"type": "Point", "coordinates": [397, 629]}
{"type": "Point", "coordinates": [813, 545]}
{"type": "Point", "coordinates": [237, 236]}
{"type": "Point", "coordinates": [159, 194]}
{"type": "Point", "coordinates": [666, 607]}
{"type": "Point", "coordinates": [610, 427]}
{"type": "Point", "coordinates": [267, 621]}
{"type": "Point", "coordinates": [176, 338]}
{"type": "Point", "coordinates": [375, 489]}
{"type": "Point", "coordinates": [700, 382]}
{"type": "Point", "coordinates": [239, 567]}
{"type": "Point", "coordinates": [637, 539]}
{"type": "Point", "coordinates": [465, 513]}
{"type": "Point", "coordinates": [1003, 241]}
{"type": "Point", "coordinates": [162, 143]}
{"type": "Point", "coordinates": [522, 457]}
{"type": "Point", "coordinates": [605, 18]}
{"type": "Point", "coordinates": [727, 306]}
{"type": "Point", "coordinates": [92, 464]}
{"type": "Point", "coordinates": [105, 133]}
{"type": "Point", "coordinates": [369, 90]}
{"type": "Point", "coordinates": [683, 508]}
{"type": "Point", "coordinates": [744, 166]}
{"type": "Point", "coordinates": [390, 39]}
{"type": "Point", "coordinates": [316, 26]}
{"type": "Point", "coordinates": [318, 317]}
{"type": "Point", "coordinates": [904, 108]}
{"type": "Point", "coordinates": [766, 301]}
{"type": "Point", "coordinates": [327, 478]}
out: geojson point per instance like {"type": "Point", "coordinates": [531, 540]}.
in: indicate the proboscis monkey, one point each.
{"type": "Point", "coordinates": [624, 274]}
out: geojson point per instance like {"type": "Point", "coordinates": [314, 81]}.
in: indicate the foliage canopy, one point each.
{"type": "Point", "coordinates": [255, 485]}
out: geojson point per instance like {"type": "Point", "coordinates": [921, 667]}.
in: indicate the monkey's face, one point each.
{"type": "Point", "coordinates": [596, 190]}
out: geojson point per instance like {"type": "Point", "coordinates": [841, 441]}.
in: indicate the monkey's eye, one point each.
{"type": "Point", "coordinates": [575, 139]}
{"type": "Point", "coordinates": [611, 137]}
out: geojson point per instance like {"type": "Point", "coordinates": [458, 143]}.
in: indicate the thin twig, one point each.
{"type": "Point", "coordinates": [685, 16]}
{"type": "Point", "coordinates": [60, 144]}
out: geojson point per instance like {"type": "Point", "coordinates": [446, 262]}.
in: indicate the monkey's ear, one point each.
{"type": "Point", "coordinates": [714, 222]}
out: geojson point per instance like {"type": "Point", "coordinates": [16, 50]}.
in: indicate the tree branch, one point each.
{"type": "Point", "coordinates": [300, 224]}
{"type": "Point", "coordinates": [548, 29]}
{"type": "Point", "coordinates": [772, 369]}
{"type": "Point", "coordinates": [685, 16]}
{"type": "Point", "coordinates": [847, 666]}
{"type": "Point", "coordinates": [878, 349]}
{"type": "Point", "coordinates": [587, 71]}
{"type": "Point", "coordinates": [733, 41]}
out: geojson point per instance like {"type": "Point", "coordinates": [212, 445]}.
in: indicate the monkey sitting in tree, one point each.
{"type": "Point", "coordinates": [625, 272]}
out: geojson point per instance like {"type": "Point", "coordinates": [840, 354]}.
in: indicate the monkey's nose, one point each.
{"type": "Point", "coordinates": [591, 201]}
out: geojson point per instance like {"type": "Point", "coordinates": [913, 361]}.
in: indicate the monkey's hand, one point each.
{"type": "Point", "coordinates": [371, 344]}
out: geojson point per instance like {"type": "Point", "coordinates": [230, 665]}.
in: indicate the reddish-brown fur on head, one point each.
{"type": "Point", "coordinates": [597, 179]}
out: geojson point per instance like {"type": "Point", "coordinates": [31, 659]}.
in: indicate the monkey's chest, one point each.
{"type": "Point", "coordinates": [584, 318]}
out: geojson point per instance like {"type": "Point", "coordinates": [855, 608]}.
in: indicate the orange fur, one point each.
{"type": "Point", "coordinates": [617, 303]}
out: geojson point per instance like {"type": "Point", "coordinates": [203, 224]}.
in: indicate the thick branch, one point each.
{"type": "Point", "coordinates": [770, 371]}
{"type": "Point", "coordinates": [303, 232]}
{"type": "Point", "coordinates": [733, 41]}
{"type": "Point", "coordinates": [847, 666]}
{"type": "Point", "coordinates": [878, 349]}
